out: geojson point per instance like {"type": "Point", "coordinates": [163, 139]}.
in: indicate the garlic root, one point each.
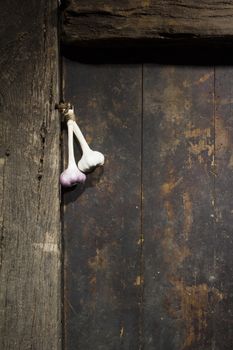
{"type": "Point", "coordinates": [72, 175]}
{"type": "Point", "coordinates": [90, 159]}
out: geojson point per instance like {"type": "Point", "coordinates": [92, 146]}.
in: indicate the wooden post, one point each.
{"type": "Point", "coordinates": [30, 316]}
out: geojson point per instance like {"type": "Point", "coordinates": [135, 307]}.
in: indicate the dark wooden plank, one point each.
{"type": "Point", "coordinates": [180, 295]}
{"type": "Point", "coordinates": [223, 204]}
{"type": "Point", "coordinates": [102, 222]}
{"type": "Point", "coordinates": [29, 172]}
{"type": "Point", "coordinates": [109, 23]}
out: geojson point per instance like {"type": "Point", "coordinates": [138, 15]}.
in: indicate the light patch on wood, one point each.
{"type": "Point", "coordinates": [189, 162]}
{"type": "Point", "coordinates": [141, 241]}
{"type": "Point", "coordinates": [173, 109]}
{"type": "Point", "coordinates": [92, 283]}
{"type": "Point", "coordinates": [201, 146]}
{"type": "Point", "coordinates": [93, 280]}
{"type": "Point", "coordinates": [2, 163]}
{"type": "Point", "coordinates": [230, 164]}
{"type": "Point", "coordinates": [174, 254]}
{"type": "Point", "coordinates": [187, 104]}
{"type": "Point", "coordinates": [100, 260]}
{"type": "Point", "coordinates": [168, 187]}
{"type": "Point", "coordinates": [169, 146]}
{"type": "Point", "coordinates": [197, 133]}
{"type": "Point", "coordinates": [223, 139]}
{"type": "Point", "coordinates": [92, 103]}
{"type": "Point", "coordinates": [201, 80]}
{"type": "Point", "coordinates": [199, 142]}
{"type": "Point", "coordinates": [47, 247]}
{"type": "Point", "coordinates": [204, 78]}
{"type": "Point", "coordinates": [121, 332]}
{"type": "Point", "coordinates": [170, 210]}
{"type": "Point", "coordinates": [187, 303]}
{"type": "Point", "coordinates": [138, 281]}
{"type": "Point", "coordinates": [225, 101]}
{"type": "Point", "coordinates": [188, 215]}
{"type": "Point", "coordinates": [146, 3]}
{"type": "Point", "coordinates": [174, 96]}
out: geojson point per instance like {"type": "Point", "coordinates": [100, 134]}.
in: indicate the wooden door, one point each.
{"type": "Point", "coordinates": [148, 241]}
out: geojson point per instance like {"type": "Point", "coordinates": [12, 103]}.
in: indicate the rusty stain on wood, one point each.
{"type": "Point", "coordinates": [193, 305]}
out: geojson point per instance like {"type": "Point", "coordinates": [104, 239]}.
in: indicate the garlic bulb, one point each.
{"type": "Point", "coordinates": [72, 175]}
{"type": "Point", "coordinates": [90, 159]}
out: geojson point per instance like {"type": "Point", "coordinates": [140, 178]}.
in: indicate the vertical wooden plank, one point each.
{"type": "Point", "coordinates": [178, 179]}
{"type": "Point", "coordinates": [29, 172]}
{"type": "Point", "coordinates": [223, 214]}
{"type": "Point", "coordinates": [102, 222]}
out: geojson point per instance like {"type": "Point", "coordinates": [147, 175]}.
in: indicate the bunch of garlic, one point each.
{"type": "Point", "coordinates": [90, 159]}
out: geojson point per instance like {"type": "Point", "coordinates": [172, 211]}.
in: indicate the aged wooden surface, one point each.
{"type": "Point", "coordinates": [181, 295]}
{"type": "Point", "coordinates": [121, 23]}
{"type": "Point", "coordinates": [102, 222]}
{"type": "Point", "coordinates": [188, 215]}
{"type": "Point", "coordinates": [148, 246]}
{"type": "Point", "coordinates": [223, 209]}
{"type": "Point", "coordinates": [29, 170]}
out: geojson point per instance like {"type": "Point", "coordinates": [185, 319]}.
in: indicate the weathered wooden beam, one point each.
{"type": "Point", "coordinates": [30, 316]}
{"type": "Point", "coordinates": [132, 23]}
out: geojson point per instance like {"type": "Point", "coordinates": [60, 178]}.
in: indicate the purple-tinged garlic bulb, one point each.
{"type": "Point", "coordinates": [72, 175]}
{"type": "Point", "coordinates": [90, 159]}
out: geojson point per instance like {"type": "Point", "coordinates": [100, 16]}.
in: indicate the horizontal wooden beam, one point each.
{"type": "Point", "coordinates": [139, 22]}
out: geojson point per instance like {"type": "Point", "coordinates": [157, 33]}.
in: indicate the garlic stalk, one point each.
{"type": "Point", "coordinates": [90, 159]}
{"type": "Point", "coordinates": [72, 175]}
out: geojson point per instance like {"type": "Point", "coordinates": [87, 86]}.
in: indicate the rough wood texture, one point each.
{"type": "Point", "coordinates": [223, 205]}
{"type": "Point", "coordinates": [188, 214]}
{"type": "Point", "coordinates": [109, 23]}
{"type": "Point", "coordinates": [29, 171]}
{"type": "Point", "coordinates": [180, 178]}
{"type": "Point", "coordinates": [181, 283]}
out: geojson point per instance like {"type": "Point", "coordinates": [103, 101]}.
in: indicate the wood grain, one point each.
{"type": "Point", "coordinates": [132, 23]}
{"type": "Point", "coordinates": [223, 205]}
{"type": "Point", "coordinates": [182, 289]}
{"type": "Point", "coordinates": [102, 221]}
{"type": "Point", "coordinates": [187, 216]}
{"type": "Point", "coordinates": [29, 170]}
{"type": "Point", "coordinates": [173, 289]}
